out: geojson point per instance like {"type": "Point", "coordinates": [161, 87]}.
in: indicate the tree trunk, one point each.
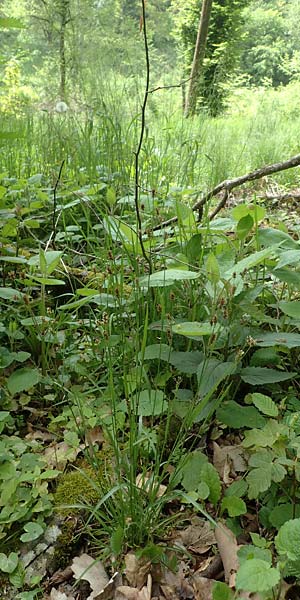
{"type": "Point", "coordinates": [64, 15]}
{"type": "Point", "coordinates": [199, 54]}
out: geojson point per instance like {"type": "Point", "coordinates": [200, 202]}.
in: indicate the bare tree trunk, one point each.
{"type": "Point", "coordinates": [199, 54]}
{"type": "Point", "coordinates": [64, 15]}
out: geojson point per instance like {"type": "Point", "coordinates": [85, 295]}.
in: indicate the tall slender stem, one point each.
{"type": "Point", "coordinates": [141, 138]}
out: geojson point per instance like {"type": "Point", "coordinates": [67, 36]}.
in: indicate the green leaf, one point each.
{"type": "Point", "coordinates": [247, 263]}
{"type": "Point", "coordinates": [235, 506]}
{"type": "Point", "coordinates": [22, 380]}
{"type": "Point", "coordinates": [168, 277]}
{"type": "Point", "coordinates": [191, 470]}
{"type": "Point", "coordinates": [116, 541]}
{"type": "Point", "coordinates": [33, 532]}
{"type": "Point", "coordinates": [221, 591]}
{"type": "Point", "coordinates": [8, 563]}
{"type": "Point", "coordinates": [282, 513]}
{"type": "Point", "coordinates": [203, 491]}
{"type": "Point", "coordinates": [157, 352]}
{"type": "Point", "coordinates": [194, 330]}
{"type": "Point", "coordinates": [244, 226]}
{"type": "Point", "coordinates": [238, 488]}
{"type": "Point", "coordinates": [11, 23]}
{"type": "Point", "coordinates": [288, 276]}
{"type": "Point", "coordinates": [264, 404]}
{"type": "Point", "coordinates": [289, 340]}
{"type": "Point", "coordinates": [290, 257]}
{"type": "Point", "coordinates": [212, 269]}
{"type": "Point", "coordinates": [211, 373]}
{"type": "Point", "coordinates": [243, 210]}
{"type": "Point", "coordinates": [268, 236]}
{"type": "Point", "coordinates": [259, 480]}
{"type": "Point", "coordinates": [249, 551]}
{"type": "Point", "coordinates": [287, 541]}
{"type": "Point", "coordinates": [8, 293]}
{"type": "Point", "coordinates": [257, 576]}
{"type": "Point", "coordinates": [236, 416]}
{"type": "Point", "coordinates": [186, 362]}
{"type": "Point", "coordinates": [262, 375]}
{"type": "Point", "coordinates": [210, 476]}
{"type": "Point", "coordinates": [152, 403]}
{"type": "Point", "coordinates": [292, 309]}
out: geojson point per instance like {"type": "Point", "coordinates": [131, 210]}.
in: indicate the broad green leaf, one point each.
{"type": "Point", "coordinates": [191, 470]}
{"type": "Point", "coordinates": [14, 259]}
{"type": "Point", "coordinates": [287, 541]}
{"type": "Point", "coordinates": [235, 506]}
{"type": "Point", "coordinates": [185, 214]}
{"type": "Point", "coordinates": [249, 552]}
{"type": "Point", "coordinates": [168, 277]}
{"type": "Point", "coordinates": [221, 591]}
{"type": "Point", "coordinates": [236, 416]}
{"type": "Point", "coordinates": [152, 403]}
{"type": "Point", "coordinates": [32, 532]}
{"type": "Point", "coordinates": [47, 280]}
{"type": "Point", "coordinates": [238, 488]}
{"type": "Point", "coordinates": [266, 437]}
{"type": "Point", "coordinates": [261, 375]}
{"type": "Point", "coordinates": [11, 23]}
{"type": "Point", "coordinates": [210, 476]}
{"type": "Point", "coordinates": [257, 575]}
{"type": "Point", "coordinates": [269, 339]}
{"type": "Point", "coordinates": [288, 276]}
{"type": "Point", "coordinates": [250, 261]}
{"type": "Point", "coordinates": [157, 352]}
{"type": "Point", "coordinates": [194, 330]}
{"type": "Point", "coordinates": [22, 380]}
{"type": "Point", "coordinates": [203, 491]}
{"type": "Point", "coordinates": [8, 293]}
{"type": "Point", "coordinates": [282, 513]}
{"type": "Point", "coordinates": [290, 257]}
{"type": "Point", "coordinates": [212, 269]}
{"type": "Point", "coordinates": [268, 236]}
{"type": "Point", "coordinates": [244, 226]}
{"type": "Point", "coordinates": [186, 362]}
{"type": "Point", "coordinates": [292, 309]}
{"type": "Point", "coordinates": [264, 404]}
{"type": "Point", "coordinates": [266, 357]}
{"type": "Point", "coordinates": [257, 213]}
{"type": "Point", "coordinates": [211, 373]}
{"type": "Point", "coordinates": [8, 563]}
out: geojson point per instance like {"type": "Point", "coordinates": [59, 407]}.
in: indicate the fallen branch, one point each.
{"type": "Point", "coordinates": [229, 184]}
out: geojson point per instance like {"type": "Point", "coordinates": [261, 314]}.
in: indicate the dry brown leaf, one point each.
{"type": "Point", "coordinates": [85, 567]}
{"type": "Point", "coordinates": [59, 454]}
{"type": "Point", "coordinates": [202, 587]}
{"type": "Point", "coordinates": [136, 570]}
{"type": "Point", "coordinates": [228, 548]}
{"type": "Point", "coordinates": [197, 537]}
{"type": "Point", "coordinates": [146, 483]}
{"type": "Point", "coordinates": [125, 592]}
{"type": "Point", "coordinates": [57, 595]}
{"type": "Point", "coordinates": [174, 586]}
{"type": "Point", "coordinates": [44, 436]}
{"type": "Point", "coordinates": [229, 460]}
{"type": "Point", "coordinates": [94, 435]}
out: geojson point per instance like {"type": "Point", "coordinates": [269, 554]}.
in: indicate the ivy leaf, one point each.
{"type": "Point", "coordinates": [235, 506]}
{"type": "Point", "coordinates": [8, 563]}
{"type": "Point", "coordinates": [221, 591]}
{"type": "Point", "coordinates": [257, 575]}
{"type": "Point", "coordinates": [33, 532]}
{"type": "Point", "coordinates": [287, 541]}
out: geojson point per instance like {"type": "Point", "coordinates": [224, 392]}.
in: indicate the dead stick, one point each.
{"type": "Point", "coordinates": [230, 184]}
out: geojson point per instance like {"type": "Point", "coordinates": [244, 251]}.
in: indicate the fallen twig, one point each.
{"type": "Point", "coordinates": [229, 184]}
